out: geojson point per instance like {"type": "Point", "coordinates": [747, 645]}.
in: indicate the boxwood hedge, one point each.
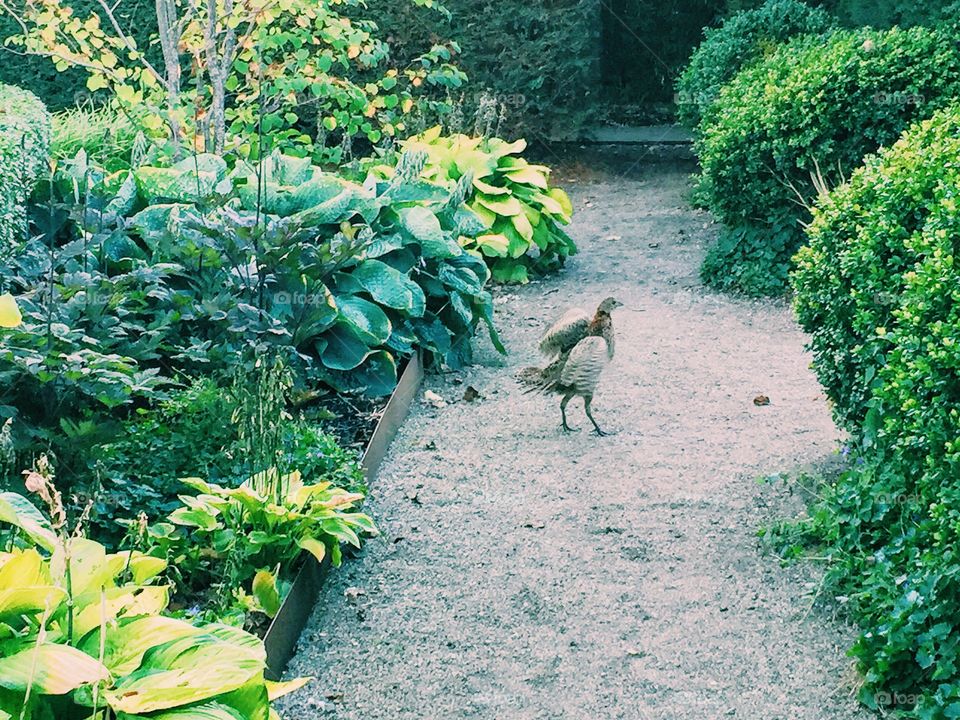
{"type": "Point", "coordinates": [24, 149]}
{"type": "Point", "coordinates": [814, 102]}
{"type": "Point", "coordinates": [740, 40]}
{"type": "Point", "coordinates": [879, 289]}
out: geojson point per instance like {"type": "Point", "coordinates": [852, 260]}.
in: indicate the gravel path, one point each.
{"type": "Point", "coordinates": [524, 573]}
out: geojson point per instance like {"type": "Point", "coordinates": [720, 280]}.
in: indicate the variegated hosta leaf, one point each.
{"type": "Point", "coordinates": [166, 680]}
{"type": "Point", "coordinates": [95, 607]}
{"type": "Point", "coordinates": [49, 669]}
{"type": "Point", "coordinates": [129, 641]}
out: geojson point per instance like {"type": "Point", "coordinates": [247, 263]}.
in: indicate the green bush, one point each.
{"type": "Point", "coordinates": [813, 103]}
{"type": "Point", "coordinates": [865, 242]}
{"type": "Point", "coordinates": [879, 289]}
{"type": "Point", "coordinates": [24, 149]}
{"type": "Point", "coordinates": [737, 42]}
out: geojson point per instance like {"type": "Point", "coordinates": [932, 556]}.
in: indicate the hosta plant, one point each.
{"type": "Point", "coordinates": [244, 542]}
{"type": "Point", "coordinates": [520, 212]}
{"type": "Point", "coordinates": [83, 635]}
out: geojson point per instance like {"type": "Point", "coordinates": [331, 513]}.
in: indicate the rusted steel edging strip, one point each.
{"type": "Point", "coordinates": [284, 632]}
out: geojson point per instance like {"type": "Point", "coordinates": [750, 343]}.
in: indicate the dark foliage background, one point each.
{"type": "Point", "coordinates": [553, 66]}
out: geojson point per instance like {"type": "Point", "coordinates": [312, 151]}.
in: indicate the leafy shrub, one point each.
{"type": "Point", "coordinates": [878, 290]}
{"type": "Point", "coordinates": [24, 148]}
{"type": "Point", "coordinates": [867, 242]}
{"type": "Point", "coordinates": [520, 214]}
{"type": "Point", "coordinates": [86, 633]}
{"type": "Point", "coordinates": [811, 104]}
{"type": "Point", "coordinates": [741, 39]}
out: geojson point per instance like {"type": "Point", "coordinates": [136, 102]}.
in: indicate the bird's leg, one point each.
{"type": "Point", "coordinates": [586, 406]}
{"type": "Point", "coordinates": [563, 412]}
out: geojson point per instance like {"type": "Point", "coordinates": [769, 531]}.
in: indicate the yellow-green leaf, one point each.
{"type": "Point", "coordinates": [49, 669]}
{"type": "Point", "coordinates": [10, 316]}
{"type": "Point", "coordinates": [314, 547]}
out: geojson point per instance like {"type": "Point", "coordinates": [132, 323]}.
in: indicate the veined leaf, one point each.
{"type": "Point", "coordinates": [49, 669]}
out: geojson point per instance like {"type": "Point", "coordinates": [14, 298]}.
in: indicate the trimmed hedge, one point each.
{"type": "Point", "coordinates": [540, 61]}
{"type": "Point", "coordinates": [24, 150]}
{"type": "Point", "coordinates": [879, 289]}
{"type": "Point", "coordinates": [823, 102]}
{"type": "Point", "coordinates": [740, 40]}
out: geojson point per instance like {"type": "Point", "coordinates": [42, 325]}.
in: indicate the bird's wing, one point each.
{"type": "Point", "coordinates": [582, 369]}
{"type": "Point", "coordinates": [565, 333]}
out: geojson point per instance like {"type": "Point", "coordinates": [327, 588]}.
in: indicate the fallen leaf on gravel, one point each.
{"type": "Point", "coordinates": [333, 696]}
{"type": "Point", "coordinates": [635, 653]}
{"type": "Point", "coordinates": [431, 398]}
{"type": "Point", "coordinates": [471, 394]}
{"type": "Point", "coordinates": [535, 524]}
{"type": "Point", "coordinates": [614, 237]}
{"type": "Point", "coordinates": [761, 401]}
{"type": "Point", "coordinates": [653, 245]}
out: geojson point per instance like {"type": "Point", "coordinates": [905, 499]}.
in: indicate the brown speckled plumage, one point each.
{"type": "Point", "coordinates": [582, 347]}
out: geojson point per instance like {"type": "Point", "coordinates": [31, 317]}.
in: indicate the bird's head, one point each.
{"type": "Point", "coordinates": [609, 305]}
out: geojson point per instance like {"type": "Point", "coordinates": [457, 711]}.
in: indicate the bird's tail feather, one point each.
{"type": "Point", "coordinates": [541, 380]}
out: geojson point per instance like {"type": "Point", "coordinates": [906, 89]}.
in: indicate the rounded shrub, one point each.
{"type": "Point", "coordinates": [865, 277]}
{"type": "Point", "coordinates": [815, 104]}
{"type": "Point", "coordinates": [879, 290]}
{"type": "Point", "coordinates": [737, 42]}
{"type": "Point", "coordinates": [24, 150]}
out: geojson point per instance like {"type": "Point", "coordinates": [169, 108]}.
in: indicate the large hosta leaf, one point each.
{"type": "Point", "coordinates": [501, 205]}
{"type": "Point", "coordinates": [173, 675]}
{"type": "Point", "coordinates": [128, 642]}
{"type": "Point", "coordinates": [49, 669]}
{"type": "Point", "coordinates": [377, 376]}
{"type": "Point", "coordinates": [369, 319]}
{"type": "Point", "coordinates": [345, 347]}
{"type": "Point", "coordinates": [424, 226]}
{"type": "Point", "coordinates": [385, 284]}
{"type": "Point", "coordinates": [460, 278]}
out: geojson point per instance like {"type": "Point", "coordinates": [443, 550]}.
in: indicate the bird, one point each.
{"type": "Point", "coordinates": [579, 347]}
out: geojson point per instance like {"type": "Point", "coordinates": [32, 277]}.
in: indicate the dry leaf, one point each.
{"type": "Point", "coordinates": [431, 398]}
{"type": "Point", "coordinates": [761, 401]}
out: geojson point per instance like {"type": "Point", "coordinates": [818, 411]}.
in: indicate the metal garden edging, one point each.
{"type": "Point", "coordinates": [284, 632]}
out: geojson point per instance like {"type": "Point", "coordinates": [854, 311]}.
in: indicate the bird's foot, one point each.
{"type": "Point", "coordinates": [568, 429]}
{"type": "Point", "coordinates": [602, 433]}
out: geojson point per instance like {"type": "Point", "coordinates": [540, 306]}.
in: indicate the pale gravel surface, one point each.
{"type": "Point", "coordinates": [644, 595]}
